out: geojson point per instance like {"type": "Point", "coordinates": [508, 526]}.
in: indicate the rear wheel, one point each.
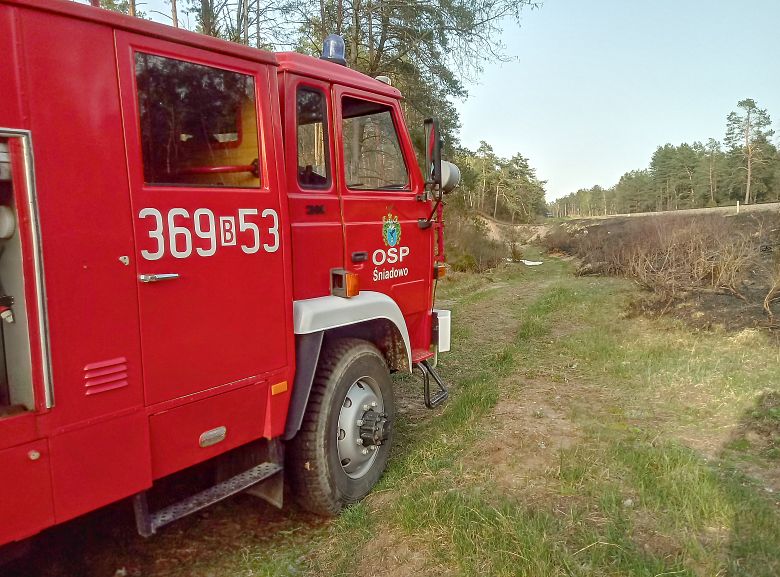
{"type": "Point", "coordinates": [342, 447]}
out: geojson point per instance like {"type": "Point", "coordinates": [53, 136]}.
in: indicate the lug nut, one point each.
{"type": "Point", "coordinates": [366, 407]}
{"type": "Point", "coordinates": [373, 447]}
{"type": "Point", "coordinates": [373, 403]}
{"type": "Point", "coordinates": [359, 422]}
{"type": "Point", "coordinates": [364, 451]}
{"type": "Point", "coordinates": [359, 441]}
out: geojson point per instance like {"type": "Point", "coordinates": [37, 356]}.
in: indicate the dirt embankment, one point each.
{"type": "Point", "coordinates": [504, 232]}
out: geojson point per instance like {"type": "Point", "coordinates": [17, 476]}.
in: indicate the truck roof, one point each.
{"type": "Point", "coordinates": [286, 61]}
{"type": "Point", "coordinates": [146, 27]}
{"type": "Point", "coordinates": [332, 72]}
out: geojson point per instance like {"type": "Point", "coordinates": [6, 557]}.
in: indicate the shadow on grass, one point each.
{"type": "Point", "coordinates": [754, 546]}
{"type": "Point", "coordinates": [758, 433]}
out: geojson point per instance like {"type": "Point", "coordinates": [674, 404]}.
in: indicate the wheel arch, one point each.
{"type": "Point", "coordinates": [370, 316]}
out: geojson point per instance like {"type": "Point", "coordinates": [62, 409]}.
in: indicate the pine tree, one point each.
{"type": "Point", "coordinates": [748, 133]}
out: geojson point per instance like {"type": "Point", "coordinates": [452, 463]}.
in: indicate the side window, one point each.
{"type": "Point", "coordinates": [372, 153]}
{"type": "Point", "coordinates": [312, 134]}
{"type": "Point", "coordinates": [198, 124]}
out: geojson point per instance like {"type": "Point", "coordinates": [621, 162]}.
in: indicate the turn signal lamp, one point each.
{"type": "Point", "coordinates": [334, 50]}
{"type": "Point", "coordinates": [353, 284]}
{"type": "Point", "coordinates": [439, 270]}
{"type": "Point", "coordinates": [343, 283]}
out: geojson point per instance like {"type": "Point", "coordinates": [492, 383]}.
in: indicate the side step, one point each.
{"type": "Point", "coordinates": [148, 523]}
{"type": "Point", "coordinates": [441, 395]}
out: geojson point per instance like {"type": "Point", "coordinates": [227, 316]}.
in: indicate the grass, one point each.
{"type": "Point", "coordinates": [576, 442]}
{"type": "Point", "coordinates": [634, 495]}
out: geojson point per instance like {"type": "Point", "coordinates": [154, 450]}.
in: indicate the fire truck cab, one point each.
{"type": "Point", "coordinates": [207, 253]}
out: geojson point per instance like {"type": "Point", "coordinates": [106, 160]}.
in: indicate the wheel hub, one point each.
{"type": "Point", "coordinates": [362, 427]}
{"type": "Point", "coordinates": [374, 429]}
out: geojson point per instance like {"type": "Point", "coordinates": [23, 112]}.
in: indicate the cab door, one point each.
{"type": "Point", "coordinates": [206, 213]}
{"type": "Point", "coordinates": [312, 194]}
{"type": "Point", "coordinates": [382, 202]}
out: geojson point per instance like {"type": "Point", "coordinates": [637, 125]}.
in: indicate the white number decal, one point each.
{"type": "Point", "coordinates": [209, 234]}
{"type": "Point", "coordinates": [176, 231]}
{"type": "Point", "coordinates": [274, 230]}
{"type": "Point", "coordinates": [244, 225]}
{"type": "Point", "coordinates": [156, 234]}
{"type": "Point", "coordinates": [215, 230]}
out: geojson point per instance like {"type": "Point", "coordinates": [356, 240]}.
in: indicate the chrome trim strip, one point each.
{"type": "Point", "coordinates": [32, 198]}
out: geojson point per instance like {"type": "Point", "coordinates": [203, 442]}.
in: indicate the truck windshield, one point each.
{"type": "Point", "coordinates": [372, 154]}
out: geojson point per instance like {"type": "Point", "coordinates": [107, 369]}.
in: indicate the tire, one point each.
{"type": "Point", "coordinates": [351, 399]}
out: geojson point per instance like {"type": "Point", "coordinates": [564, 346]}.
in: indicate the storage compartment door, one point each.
{"type": "Point", "coordinates": [25, 482]}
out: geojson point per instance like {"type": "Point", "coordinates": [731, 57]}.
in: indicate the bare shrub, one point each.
{"type": "Point", "coordinates": [514, 243]}
{"type": "Point", "coordinates": [682, 254]}
{"type": "Point", "coordinates": [560, 239]}
{"type": "Point", "coordinates": [469, 247]}
{"type": "Point", "coordinates": [667, 254]}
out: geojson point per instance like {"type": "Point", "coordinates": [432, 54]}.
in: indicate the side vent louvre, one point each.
{"type": "Point", "coordinates": [105, 375]}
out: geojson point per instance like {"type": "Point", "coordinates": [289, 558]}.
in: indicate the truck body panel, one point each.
{"type": "Point", "coordinates": [176, 197]}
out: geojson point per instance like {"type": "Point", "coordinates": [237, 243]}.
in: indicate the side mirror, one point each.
{"type": "Point", "coordinates": [432, 153]}
{"type": "Point", "coordinates": [450, 177]}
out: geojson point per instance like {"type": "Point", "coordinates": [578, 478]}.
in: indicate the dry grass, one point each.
{"type": "Point", "coordinates": [673, 256]}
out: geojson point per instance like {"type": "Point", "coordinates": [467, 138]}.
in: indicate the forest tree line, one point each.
{"type": "Point", "coordinates": [429, 49]}
{"type": "Point", "coordinates": [503, 188]}
{"type": "Point", "coordinates": [744, 167]}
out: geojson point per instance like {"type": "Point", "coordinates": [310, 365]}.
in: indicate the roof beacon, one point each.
{"type": "Point", "coordinates": [333, 49]}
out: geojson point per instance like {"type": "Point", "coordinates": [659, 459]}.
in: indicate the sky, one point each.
{"type": "Point", "coordinates": [593, 87]}
{"type": "Point", "coordinates": [597, 85]}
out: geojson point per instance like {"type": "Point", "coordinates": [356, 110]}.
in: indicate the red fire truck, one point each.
{"type": "Point", "coordinates": [209, 254]}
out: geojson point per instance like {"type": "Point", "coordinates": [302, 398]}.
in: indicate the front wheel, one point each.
{"type": "Point", "coordinates": [342, 447]}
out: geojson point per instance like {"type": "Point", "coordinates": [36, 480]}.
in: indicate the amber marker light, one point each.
{"type": "Point", "coordinates": [343, 283]}
{"type": "Point", "coordinates": [279, 388]}
{"type": "Point", "coordinates": [439, 270]}
{"type": "Point", "coordinates": [353, 284]}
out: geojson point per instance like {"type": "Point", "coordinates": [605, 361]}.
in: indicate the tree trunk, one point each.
{"type": "Point", "coordinates": [690, 182]}
{"type": "Point", "coordinates": [257, 23]}
{"type": "Point", "coordinates": [356, 11]}
{"type": "Point", "coordinates": [749, 154]}
{"type": "Point", "coordinates": [246, 22]}
{"type": "Point", "coordinates": [322, 22]}
{"type": "Point", "coordinates": [484, 188]}
{"type": "Point", "coordinates": [131, 7]}
{"type": "Point", "coordinates": [749, 178]}
{"type": "Point", "coordinates": [174, 14]}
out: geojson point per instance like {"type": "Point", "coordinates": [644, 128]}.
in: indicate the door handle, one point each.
{"type": "Point", "coordinates": [157, 277]}
{"type": "Point", "coordinates": [361, 256]}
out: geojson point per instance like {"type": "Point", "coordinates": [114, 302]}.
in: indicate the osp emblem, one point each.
{"type": "Point", "coordinates": [391, 230]}
{"type": "Point", "coordinates": [393, 254]}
